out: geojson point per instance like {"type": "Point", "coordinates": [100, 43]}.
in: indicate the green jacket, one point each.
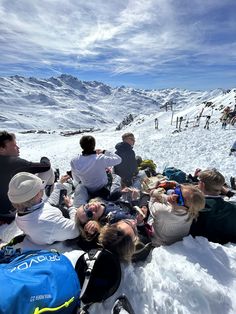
{"type": "Point", "coordinates": [216, 222]}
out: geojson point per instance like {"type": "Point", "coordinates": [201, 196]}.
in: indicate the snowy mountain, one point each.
{"type": "Point", "coordinates": [66, 103]}
{"type": "Point", "coordinates": [191, 276]}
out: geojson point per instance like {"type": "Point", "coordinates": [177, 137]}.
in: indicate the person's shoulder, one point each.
{"type": "Point", "coordinates": [75, 159]}
{"type": "Point", "coordinates": [122, 146]}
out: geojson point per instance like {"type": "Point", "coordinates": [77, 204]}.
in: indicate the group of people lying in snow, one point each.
{"type": "Point", "coordinates": [106, 201]}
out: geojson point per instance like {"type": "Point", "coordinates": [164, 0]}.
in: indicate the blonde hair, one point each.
{"type": "Point", "coordinates": [115, 240]}
{"type": "Point", "coordinates": [95, 200]}
{"type": "Point", "coordinates": [213, 181]}
{"type": "Point", "coordinates": [195, 200]}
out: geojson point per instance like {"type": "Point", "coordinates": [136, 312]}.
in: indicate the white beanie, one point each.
{"type": "Point", "coordinates": [23, 187]}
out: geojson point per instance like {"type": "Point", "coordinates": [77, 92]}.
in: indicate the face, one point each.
{"type": "Point", "coordinates": [130, 140]}
{"type": "Point", "coordinates": [128, 226]}
{"type": "Point", "coordinates": [90, 211]}
{"type": "Point", "coordinates": [10, 149]}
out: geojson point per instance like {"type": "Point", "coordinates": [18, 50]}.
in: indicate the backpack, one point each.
{"type": "Point", "coordinates": [42, 281]}
{"type": "Point", "coordinates": [149, 166]}
{"type": "Point", "coordinates": [99, 273]}
{"type": "Point", "coordinates": [175, 174]}
{"type": "Point", "coordinates": [37, 282]}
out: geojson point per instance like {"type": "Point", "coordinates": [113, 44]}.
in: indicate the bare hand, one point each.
{"type": "Point", "coordinates": [91, 227]}
{"type": "Point", "coordinates": [172, 199]}
{"type": "Point", "coordinates": [64, 178]}
{"type": "Point", "coordinates": [68, 201]}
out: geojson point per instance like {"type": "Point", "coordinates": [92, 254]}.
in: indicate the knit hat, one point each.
{"type": "Point", "coordinates": [23, 187]}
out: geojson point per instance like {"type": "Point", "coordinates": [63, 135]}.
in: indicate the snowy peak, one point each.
{"type": "Point", "coordinates": [65, 102]}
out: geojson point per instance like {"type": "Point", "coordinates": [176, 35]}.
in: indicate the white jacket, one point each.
{"type": "Point", "coordinates": [91, 169]}
{"type": "Point", "coordinates": [47, 225]}
{"type": "Point", "coordinates": [169, 225]}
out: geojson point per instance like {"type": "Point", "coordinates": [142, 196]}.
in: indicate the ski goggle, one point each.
{"type": "Point", "coordinates": [180, 199]}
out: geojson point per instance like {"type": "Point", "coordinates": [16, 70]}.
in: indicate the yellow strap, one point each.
{"type": "Point", "coordinates": [54, 309]}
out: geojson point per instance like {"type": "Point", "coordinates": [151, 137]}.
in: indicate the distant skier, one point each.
{"type": "Point", "coordinates": [156, 123]}
{"type": "Point", "coordinates": [206, 126]}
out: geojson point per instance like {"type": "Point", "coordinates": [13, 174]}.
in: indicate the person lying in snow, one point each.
{"type": "Point", "coordinates": [171, 215]}
{"type": "Point", "coordinates": [217, 219]}
{"type": "Point", "coordinates": [97, 213]}
{"type": "Point", "coordinates": [40, 222]}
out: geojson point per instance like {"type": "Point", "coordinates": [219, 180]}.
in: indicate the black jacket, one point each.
{"type": "Point", "coordinates": [128, 167]}
{"type": "Point", "coordinates": [9, 166]}
{"type": "Point", "coordinates": [217, 222]}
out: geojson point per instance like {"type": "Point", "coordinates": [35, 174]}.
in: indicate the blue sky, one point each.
{"type": "Point", "coordinates": [140, 43]}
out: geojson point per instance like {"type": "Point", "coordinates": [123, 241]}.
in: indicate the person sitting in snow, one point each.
{"type": "Point", "coordinates": [217, 219]}
{"type": "Point", "coordinates": [171, 215]}
{"type": "Point", "coordinates": [11, 164]}
{"type": "Point", "coordinates": [89, 169]}
{"type": "Point", "coordinates": [128, 168]}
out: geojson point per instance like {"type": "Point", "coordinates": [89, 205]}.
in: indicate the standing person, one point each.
{"type": "Point", "coordinates": [156, 123]}
{"type": "Point", "coordinates": [233, 149]}
{"type": "Point", "coordinates": [206, 126]}
{"type": "Point", "coordinates": [128, 168]}
{"type": "Point", "coordinates": [89, 169]}
{"type": "Point", "coordinates": [11, 164]}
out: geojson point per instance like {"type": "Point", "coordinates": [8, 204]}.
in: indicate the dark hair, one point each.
{"type": "Point", "coordinates": [5, 137]}
{"type": "Point", "coordinates": [87, 143]}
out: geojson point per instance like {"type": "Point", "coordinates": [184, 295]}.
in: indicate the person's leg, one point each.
{"type": "Point", "coordinates": [115, 191]}
{"type": "Point", "coordinates": [81, 195]}
{"type": "Point", "coordinates": [137, 180]}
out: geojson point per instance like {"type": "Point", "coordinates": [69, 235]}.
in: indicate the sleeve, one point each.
{"type": "Point", "coordinates": [32, 167]}
{"type": "Point", "coordinates": [111, 159]}
{"type": "Point", "coordinates": [155, 208]}
{"type": "Point", "coordinates": [74, 172]}
{"type": "Point", "coordinates": [64, 228]}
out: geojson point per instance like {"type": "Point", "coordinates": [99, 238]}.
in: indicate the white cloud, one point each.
{"type": "Point", "coordinates": [118, 36]}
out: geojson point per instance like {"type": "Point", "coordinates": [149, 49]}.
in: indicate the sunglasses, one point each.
{"type": "Point", "coordinates": [180, 199]}
{"type": "Point", "coordinates": [88, 211]}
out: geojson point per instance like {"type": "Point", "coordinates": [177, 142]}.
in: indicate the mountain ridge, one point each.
{"type": "Point", "coordinates": [69, 103]}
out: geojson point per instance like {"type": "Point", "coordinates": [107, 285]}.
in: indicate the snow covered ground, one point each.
{"type": "Point", "coordinates": [192, 276]}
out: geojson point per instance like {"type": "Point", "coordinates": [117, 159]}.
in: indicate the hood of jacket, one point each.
{"type": "Point", "coordinates": [123, 146]}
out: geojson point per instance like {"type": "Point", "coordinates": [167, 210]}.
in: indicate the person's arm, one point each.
{"type": "Point", "coordinates": [155, 208]}
{"type": "Point", "coordinates": [32, 167]}
{"type": "Point", "coordinates": [64, 228]}
{"type": "Point", "coordinates": [111, 159]}
{"type": "Point", "coordinates": [74, 172]}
